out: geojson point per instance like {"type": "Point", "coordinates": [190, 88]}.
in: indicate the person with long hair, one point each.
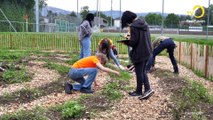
{"type": "Point", "coordinates": [84, 35]}
{"type": "Point", "coordinates": [105, 46]}
{"type": "Point", "coordinates": [140, 42]}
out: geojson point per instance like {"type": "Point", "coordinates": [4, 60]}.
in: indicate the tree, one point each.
{"type": "Point", "coordinates": [153, 19]}
{"type": "Point", "coordinates": [108, 18]}
{"type": "Point", "coordinates": [84, 11]}
{"type": "Point", "coordinates": [172, 21]}
{"type": "Point", "coordinates": [72, 14]}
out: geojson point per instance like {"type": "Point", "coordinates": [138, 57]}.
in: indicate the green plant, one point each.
{"type": "Point", "coordinates": [72, 109]}
{"type": "Point", "coordinates": [112, 92]}
{"type": "Point", "coordinates": [16, 76]}
{"type": "Point", "coordinates": [34, 114]}
{"type": "Point", "coordinates": [60, 68]}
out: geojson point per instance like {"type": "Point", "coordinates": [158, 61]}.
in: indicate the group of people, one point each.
{"type": "Point", "coordinates": [142, 53]}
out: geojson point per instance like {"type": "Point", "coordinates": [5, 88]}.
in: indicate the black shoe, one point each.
{"type": "Point", "coordinates": [176, 72]}
{"type": "Point", "coordinates": [134, 93]}
{"type": "Point", "coordinates": [86, 90]}
{"type": "Point", "coordinates": [68, 88]}
{"type": "Point", "coordinates": [146, 94]}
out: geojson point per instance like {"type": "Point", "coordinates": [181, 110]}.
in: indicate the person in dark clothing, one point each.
{"type": "Point", "coordinates": [140, 43]}
{"type": "Point", "coordinates": [159, 45]}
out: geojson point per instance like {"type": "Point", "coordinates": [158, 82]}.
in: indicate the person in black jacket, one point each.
{"type": "Point", "coordinates": [140, 42]}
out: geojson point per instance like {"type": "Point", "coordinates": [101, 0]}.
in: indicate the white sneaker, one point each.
{"type": "Point", "coordinates": [147, 94]}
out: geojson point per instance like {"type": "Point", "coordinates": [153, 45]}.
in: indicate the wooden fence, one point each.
{"type": "Point", "coordinates": [197, 57]}
{"type": "Point", "coordinates": [60, 41]}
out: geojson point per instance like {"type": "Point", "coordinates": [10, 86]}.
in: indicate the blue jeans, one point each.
{"type": "Point", "coordinates": [166, 44]}
{"type": "Point", "coordinates": [78, 74]}
{"type": "Point", "coordinates": [85, 47]}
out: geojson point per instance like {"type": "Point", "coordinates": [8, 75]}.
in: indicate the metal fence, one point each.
{"type": "Point", "coordinates": [58, 26]}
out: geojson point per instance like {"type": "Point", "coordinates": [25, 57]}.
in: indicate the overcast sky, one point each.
{"type": "Point", "coordinates": [170, 6]}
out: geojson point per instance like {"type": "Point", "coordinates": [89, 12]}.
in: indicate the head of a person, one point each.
{"type": "Point", "coordinates": [105, 44]}
{"type": "Point", "coordinates": [90, 18]}
{"type": "Point", "coordinates": [102, 58]}
{"type": "Point", "coordinates": [127, 18]}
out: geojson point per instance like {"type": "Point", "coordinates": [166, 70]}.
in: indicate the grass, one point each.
{"type": "Point", "coordinates": [60, 68]}
{"type": "Point", "coordinates": [16, 76]}
{"type": "Point", "coordinates": [71, 109]}
{"type": "Point", "coordinates": [34, 114]}
{"type": "Point", "coordinates": [12, 55]}
{"type": "Point", "coordinates": [189, 102]}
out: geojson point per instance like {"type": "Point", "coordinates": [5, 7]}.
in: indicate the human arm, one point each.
{"type": "Point", "coordinates": [105, 69]}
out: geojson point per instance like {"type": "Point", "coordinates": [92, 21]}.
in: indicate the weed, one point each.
{"type": "Point", "coordinates": [34, 114]}
{"type": "Point", "coordinates": [110, 90]}
{"type": "Point", "coordinates": [60, 68]}
{"type": "Point", "coordinates": [16, 76]}
{"type": "Point", "coordinates": [72, 109]}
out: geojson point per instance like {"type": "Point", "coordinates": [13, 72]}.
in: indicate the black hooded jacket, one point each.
{"type": "Point", "coordinates": [140, 41]}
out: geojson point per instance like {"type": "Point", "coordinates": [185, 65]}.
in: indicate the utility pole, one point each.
{"type": "Point", "coordinates": [120, 17]}
{"type": "Point", "coordinates": [37, 15]}
{"type": "Point", "coordinates": [111, 13]}
{"type": "Point", "coordinates": [162, 24]}
{"type": "Point", "coordinates": [207, 27]}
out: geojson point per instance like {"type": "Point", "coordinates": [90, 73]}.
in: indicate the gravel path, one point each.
{"type": "Point", "coordinates": [128, 108]}
{"type": "Point", "coordinates": [131, 108]}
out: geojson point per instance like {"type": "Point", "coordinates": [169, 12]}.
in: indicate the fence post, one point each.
{"type": "Point", "coordinates": [33, 42]}
{"type": "Point", "coordinates": [191, 57]}
{"type": "Point", "coordinates": [206, 56]}
{"type": "Point", "coordinates": [11, 41]}
{"type": "Point", "coordinates": [179, 52]}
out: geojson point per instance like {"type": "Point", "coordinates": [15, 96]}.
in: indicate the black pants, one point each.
{"type": "Point", "coordinates": [141, 77]}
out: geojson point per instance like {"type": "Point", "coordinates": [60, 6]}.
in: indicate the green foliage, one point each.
{"type": "Point", "coordinates": [112, 92]}
{"type": "Point", "coordinates": [197, 92]}
{"type": "Point", "coordinates": [190, 97]}
{"type": "Point", "coordinates": [153, 19]}
{"type": "Point", "coordinates": [172, 21]}
{"type": "Point", "coordinates": [24, 92]}
{"type": "Point", "coordinates": [72, 109]}
{"type": "Point", "coordinates": [60, 68]}
{"type": "Point", "coordinates": [16, 76]}
{"type": "Point", "coordinates": [73, 59]}
{"type": "Point", "coordinates": [35, 114]}
{"type": "Point", "coordinates": [12, 55]}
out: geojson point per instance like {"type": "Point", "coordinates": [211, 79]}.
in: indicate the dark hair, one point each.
{"type": "Point", "coordinates": [127, 18]}
{"type": "Point", "coordinates": [90, 18]}
{"type": "Point", "coordinates": [105, 47]}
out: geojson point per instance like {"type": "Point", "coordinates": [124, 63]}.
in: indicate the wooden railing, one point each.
{"type": "Point", "coordinates": [197, 57]}
{"type": "Point", "coordinates": [60, 41]}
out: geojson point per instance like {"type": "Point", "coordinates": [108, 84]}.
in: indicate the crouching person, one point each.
{"type": "Point", "coordinates": [88, 67]}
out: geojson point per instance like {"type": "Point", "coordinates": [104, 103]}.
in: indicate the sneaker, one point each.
{"type": "Point", "coordinates": [147, 94]}
{"type": "Point", "coordinates": [176, 72]}
{"type": "Point", "coordinates": [86, 90]}
{"type": "Point", "coordinates": [68, 88]}
{"type": "Point", "coordinates": [134, 93]}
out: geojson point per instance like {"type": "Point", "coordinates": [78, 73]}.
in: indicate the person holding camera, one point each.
{"type": "Point", "coordinates": [140, 43]}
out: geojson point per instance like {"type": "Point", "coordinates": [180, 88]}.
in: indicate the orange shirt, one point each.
{"type": "Point", "coordinates": [87, 62]}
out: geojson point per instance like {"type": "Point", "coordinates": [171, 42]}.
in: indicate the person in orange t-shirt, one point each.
{"type": "Point", "coordinates": [87, 66]}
